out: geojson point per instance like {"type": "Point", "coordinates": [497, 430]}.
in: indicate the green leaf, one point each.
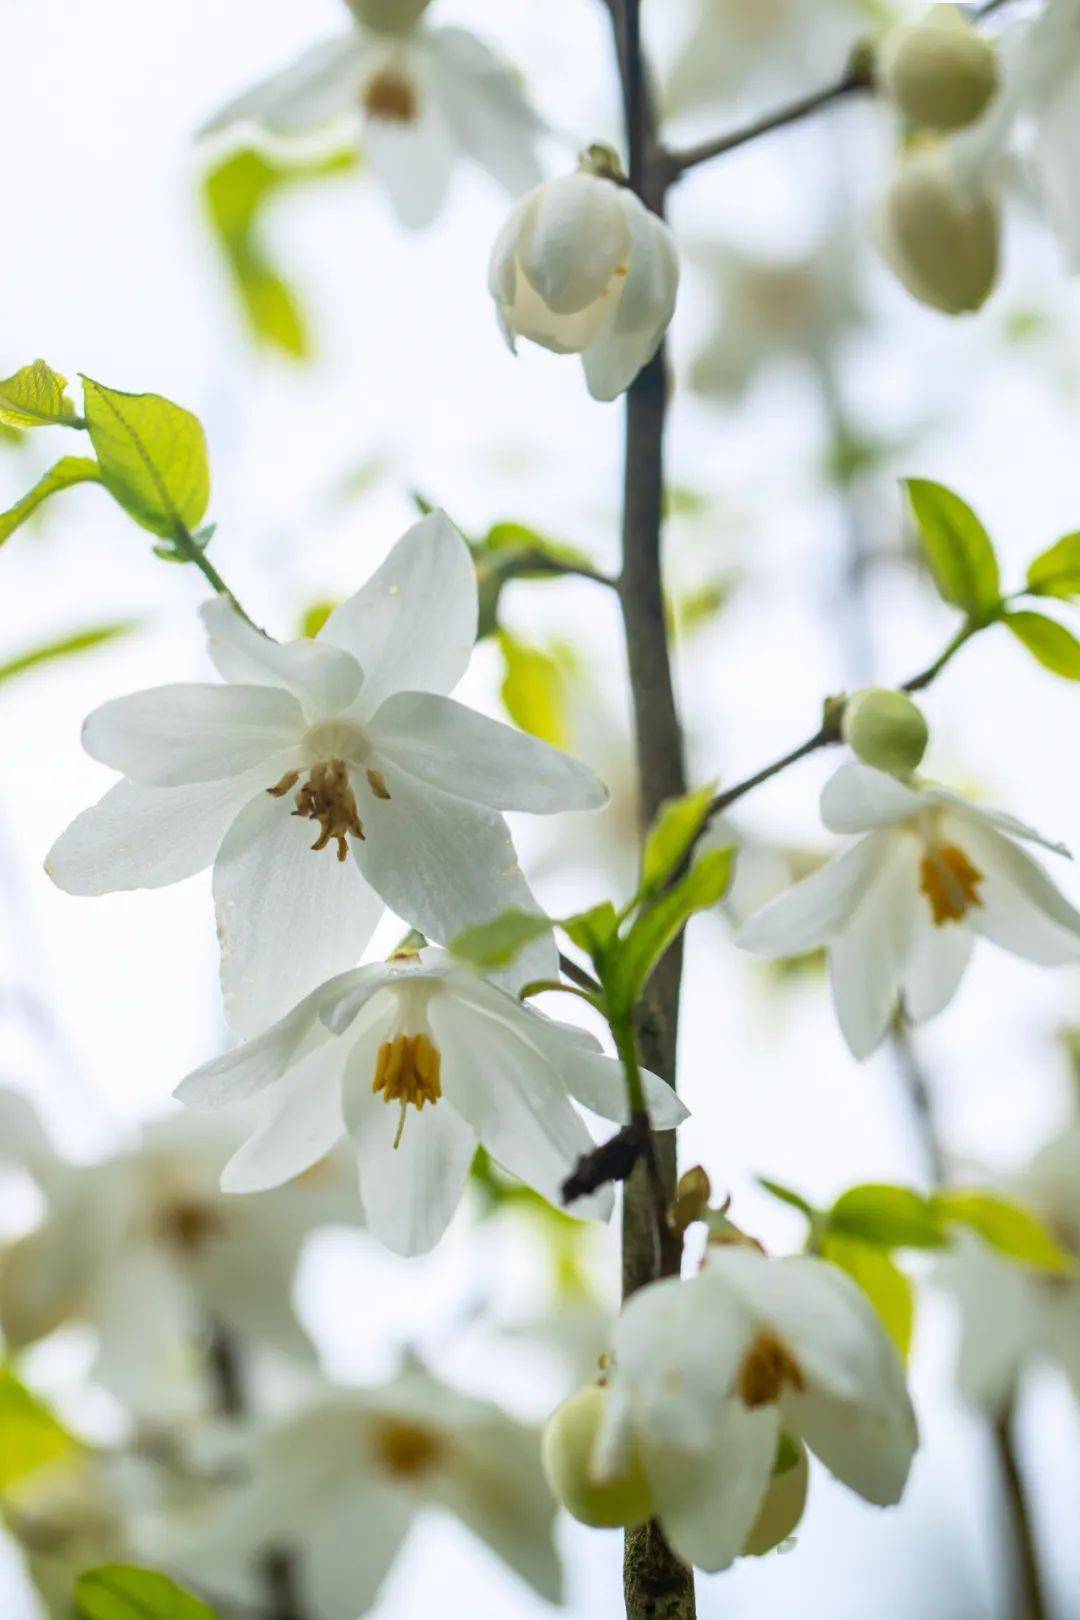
{"type": "Point", "coordinates": [534, 690]}
{"type": "Point", "coordinates": [124, 1592]}
{"type": "Point", "coordinates": [495, 944]}
{"type": "Point", "coordinates": [787, 1196]}
{"type": "Point", "coordinates": [68, 471]}
{"type": "Point", "coordinates": [32, 1437]}
{"type": "Point", "coordinates": [958, 548]}
{"type": "Point", "coordinates": [65, 647]}
{"type": "Point", "coordinates": [889, 1291]}
{"type": "Point", "coordinates": [35, 397]}
{"type": "Point", "coordinates": [153, 458]}
{"type": "Point", "coordinates": [1006, 1226]}
{"type": "Point", "coordinates": [671, 837]}
{"type": "Point", "coordinates": [546, 556]}
{"type": "Point", "coordinates": [888, 1217]}
{"type": "Point", "coordinates": [1057, 571]}
{"type": "Point", "coordinates": [593, 931]}
{"type": "Point", "coordinates": [660, 923]}
{"type": "Point", "coordinates": [1055, 647]}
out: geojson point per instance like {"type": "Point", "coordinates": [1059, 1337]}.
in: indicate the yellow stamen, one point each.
{"type": "Point", "coordinates": [189, 1226]}
{"type": "Point", "coordinates": [408, 1070]}
{"type": "Point", "coordinates": [377, 784]}
{"type": "Point", "coordinates": [406, 1449]}
{"type": "Point", "coordinates": [950, 883]}
{"type": "Point", "coordinates": [766, 1367]}
{"type": "Point", "coordinates": [326, 797]}
{"type": "Point", "coordinates": [391, 96]}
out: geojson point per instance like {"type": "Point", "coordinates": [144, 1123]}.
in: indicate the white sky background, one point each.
{"type": "Point", "coordinates": [108, 270]}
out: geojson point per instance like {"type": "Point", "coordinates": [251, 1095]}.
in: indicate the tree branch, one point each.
{"type": "Point", "coordinates": [854, 78]}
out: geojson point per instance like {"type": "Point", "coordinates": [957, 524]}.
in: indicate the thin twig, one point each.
{"type": "Point", "coordinates": [854, 78]}
{"type": "Point", "coordinates": [1029, 1595]}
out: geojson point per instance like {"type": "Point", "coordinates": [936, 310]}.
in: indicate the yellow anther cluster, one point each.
{"type": "Point", "coordinates": [767, 1366]}
{"type": "Point", "coordinates": [406, 1448]}
{"type": "Point", "coordinates": [391, 96]}
{"type": "Point", "coordinates": [950, 883]}
{"type": "Point", "coordinates": [328, 798]}
{"type": "Point", "coordinates": [408, 1071]}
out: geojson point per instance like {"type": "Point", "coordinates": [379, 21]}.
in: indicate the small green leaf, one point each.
{"type": "Point", "coordinates": [958, 548]}
{"type": "Point", "coordinates": [153, 458]}
{"type": "Point", "coordinates": [660, 923]}
{"type": "Point", "coordinates": [495, 944]}
{"type": "Point", "coordinates": [888, 1217]}
{"type": "Point", "coordinates": [1055, 647]}
{"type": "Point", "coordinates": [593, 931]}
{"type": "Point", "coordinates": [32, 1437]}
{"type": "Point", "coordinates": [124, 1592]}
{"type": "Point", "coordinates": [787, 1196]}
{"type": "Point", "coordinates": [65, 647]}
{"type": "Point", "coordinates": [888, 1289]}
{"type": "Point", "coordinates": [671, 837]}
{"type": "Point", "coordinates": [68, 471]}
{"type": "Point", "coordinates": [1006, 1226]}
{"type": "Point", "coordinates": [1057, 571]}
{"type": "Point", "coordinates": [35, 397]}
{"type": "Point", "coordinates": [534, 690]}
{"type": "Point", "coordinates": [545, 555]}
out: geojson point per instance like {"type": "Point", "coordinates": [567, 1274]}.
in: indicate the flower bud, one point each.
{"type": "Point", "coordinates": [886, 730]}
{"type": "Point", "coordinates": [939, 73]}
{"type": "Point", "coordinates": [388, 16]}
{"type": "Point", "coordinates": [567, 1451]}
{"type": "Point", "coordinates": [938, 238]}
{"type": "Point", "coordinates": [782, 1507]}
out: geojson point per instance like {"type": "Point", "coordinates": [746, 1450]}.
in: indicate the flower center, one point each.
{"type": "Point", "coordinates": [408, 1071]}
{"type": "Point", "coordinates": [766, 1367]}
{"type": "Point", "coordinates": [389, 95]}
{"type": "Point", "coordinates": [950, 883]}
{"type": "Point", "coordinates": [188, 1225]}
{"type": "Point", "coordinates": [406, 1449]}
{"type": "Point", "coordinates": [326, 795]}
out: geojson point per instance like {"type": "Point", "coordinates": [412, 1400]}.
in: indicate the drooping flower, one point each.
{"type": "Point", "coordinates": [340, 1482]}
{"type": "Point", "coordinates": [581, 266]}
{"type": "Point", "coordinates": [418, 1060]}
{"type": "Point", "coordinates": [146, 1250]}
{"type": "Point", "coordinates": [423, 97]}
{"type": "Point", "coordinates": [900, 911]}
{"type": "Point", "coordinates": [710, 1374]}
{"type": "Point", "coordinates": [350, 732]}
{"type": "Point", "coordinates": [1014, 1315]}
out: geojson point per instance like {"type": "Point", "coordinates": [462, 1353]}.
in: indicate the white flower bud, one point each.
{"type": "Point", "coordinates": [940, 239]}
{"type": "Point", "coordinates": [582, 267]}
{"type": "Point", "coordinates": [388, 16]}
{"type": "Point", "coordinates": [941, 72]}
{"type": "Point", "coordinates": [567, 1453]}
{"type": "Point", "coordinates": [782, 1507]}
{"type": "Point", "coordinates": [886, 730]}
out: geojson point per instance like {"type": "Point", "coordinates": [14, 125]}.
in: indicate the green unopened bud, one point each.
{"type": "Point", "coordinates": [939, 239]}
{"type": "Point", "coordinates": [567, 1453]}
{"type": "Point", "coordinates": [388, 16]}
{"type": "Point", "coordinates": [939, 73]}
{"type": "Point", "coordinates": [601, 159]}
{"type": "Point", "coordinates": [886, 730]}
{"type": "Point", "coordinates": [782, 1508]}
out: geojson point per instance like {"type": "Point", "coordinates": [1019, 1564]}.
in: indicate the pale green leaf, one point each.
{"type": "Point", "coordinates": [495, 944]}
{"type": "Point", "coordinates": [958, 548]}
{"type": "Point", "coordinates": [786, 1195]}
{"type": "Point", "coordinates": [593, 931]}
{"type": "Point", "coordinates": [671, 836]}
{"type": "Point", "coordinates": [36, 397]}
{"type": "Point", "coordinates": [31, 1438]}
{"type": "Point", "coordinates": [1057, 571]}
{"type": "Point", "coordinates": [889, 1291]}
{"type": "Point", "coordinates": [153, 458]}
{"type": "Point", "coordinates": [63, 647]}
{"type": "Point", "coordinates": [534, 690]}
{"type": "Point", "coordinates": [659, 924]}
{"type": "Point", "coordinates": [1006, 1226]}
{"type": "Point", "coordinates": [889, 1217]}
{"type": "Point", "coordinates": [125, 1592]}
{"type": "Point", "coordinates": [68, 471]}
{"type": "Point", "coordinates": [1055, 647]}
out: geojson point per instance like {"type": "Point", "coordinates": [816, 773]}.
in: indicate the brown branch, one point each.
{"type": "Point", "coordinates": [855, 77]}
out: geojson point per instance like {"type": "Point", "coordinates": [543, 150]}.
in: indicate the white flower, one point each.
{"type": "Point", "coordinates": [708, 1373]}
{"type": "Point", "coordinates": [146, 1250]}
{"type": "Point", "coordinates": [340, 1483]}
{"type": "Point", "coordinates": [582, 267]}
{"type": "Point", "coordinates": [419, 1060]}
{"type": "Point", "coordinates": [350, 732]}
{"type": "Point", "coordinates": [899, 911]}
{"type": "Point", "coordinates": [426, 96]}
{"type": "Point", "coordinates": [1014, 1314]}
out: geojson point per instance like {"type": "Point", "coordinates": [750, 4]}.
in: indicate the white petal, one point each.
{"type": "Point", "coordinates": [868, 958]}
{"type": "Point", "coordinates": [253, 1065]}
{"type": "Point", "coordinates": [816, 908]}
{"type": "Point", "coordinates": [635, 326]}
{"type": "Point", "coordinates": [600, 1084]}
{"type": "Point", "coordinates": [324, 679]}
{"type": "Point", "coordinates": [464, 753]}
{"type": "Point", "coordinates": [1001, 1322]}
{"type": "Point", "coordinates": [574, 238]}
{"type": "Point", "coordinates": [1021, 910]}
{"type": "Point", "coordinates": [317, 88]}
{"type": "Point", "coordinates": [172, 735]}
{"type": "Point", "coordinates": [858, 798]}
{"type": "Point", "coordinates": [145, 838]}
{"type": "Point", "coordinates": [288, 917]}
{"type": "Point", "coordinates": [414, 158]}
{"type": "Point", "coordinates": [503, 270]}
{"type": "Point", "coordinates": [486, 106]}
{"type": "Point", "coordinates": [708, 1498]}
{"type": "Point", "coordinates": [939, 957]}
{"type": "Point", "coordinates": [444, 865]}
{"type": "Point", "coordinates": [1057, 161]}
{"type": "Point", "coordinates": [344, 1569]}
{"type": "Point", "coordinates": [299, 1123]}
{"type": "Point", "coordinates": [413, 625]}
{"type": "Point", "coordinates": [985, 815]}
{"type": "Point", "coordinates": [150, 1338]}
{"type": "Point", "coordinates": [870, 1449]}
{"type": "Point", "coordinates": [613, 359]}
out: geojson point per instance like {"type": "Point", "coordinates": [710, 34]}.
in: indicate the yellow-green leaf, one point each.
{"type": "Point", "coordinates": [63, 647]}
{"type": "Point", "coordinates": [888, 1289]}
{"type": "Point", "coordinates": [534, 690]}
{"type": "Point", "coordinates": [658, 925]}
{"type": "Point", "coordinates": [31, 1438]}
{"type": "Point", "coordinates": [958, 548]}
{"type": "Point", "coordinates": [888, 1217]}
{"type": "Point", "coordinates": [153, 458]}
{"type": "Point", "coordinates": [671, 836]}
{"type": "Point", "coordinates": [69, 470]}
{"type": "Point", "coordinates": [1006, 1226]}
{"type": "Point", "coordinates": [1055, 647]}
{"type": "Point", "coordinates": [593, 931]}
{"type": "Point", "coordinates": [1057, 571]}
{"type": "Point", "coordinates": [125, 1592]}
{"type": "Point", "coordinates": [495, 944]}
{"type": "Point", "coordinates": [36, 397]}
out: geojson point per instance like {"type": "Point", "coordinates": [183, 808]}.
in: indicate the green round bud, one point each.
{"type": "Point", "coordinates": [939, 239]}
{"type": "Point", "coordinates": [388, 16]}
{"type": "Point", "coordinates": [940, 73]}
{"type": "Point", "coordinates": [886, 730]}
{"type": "Point", "coordinates": [783, 1507]}
{"type": "Point", "coordinates": [566, 1451]}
